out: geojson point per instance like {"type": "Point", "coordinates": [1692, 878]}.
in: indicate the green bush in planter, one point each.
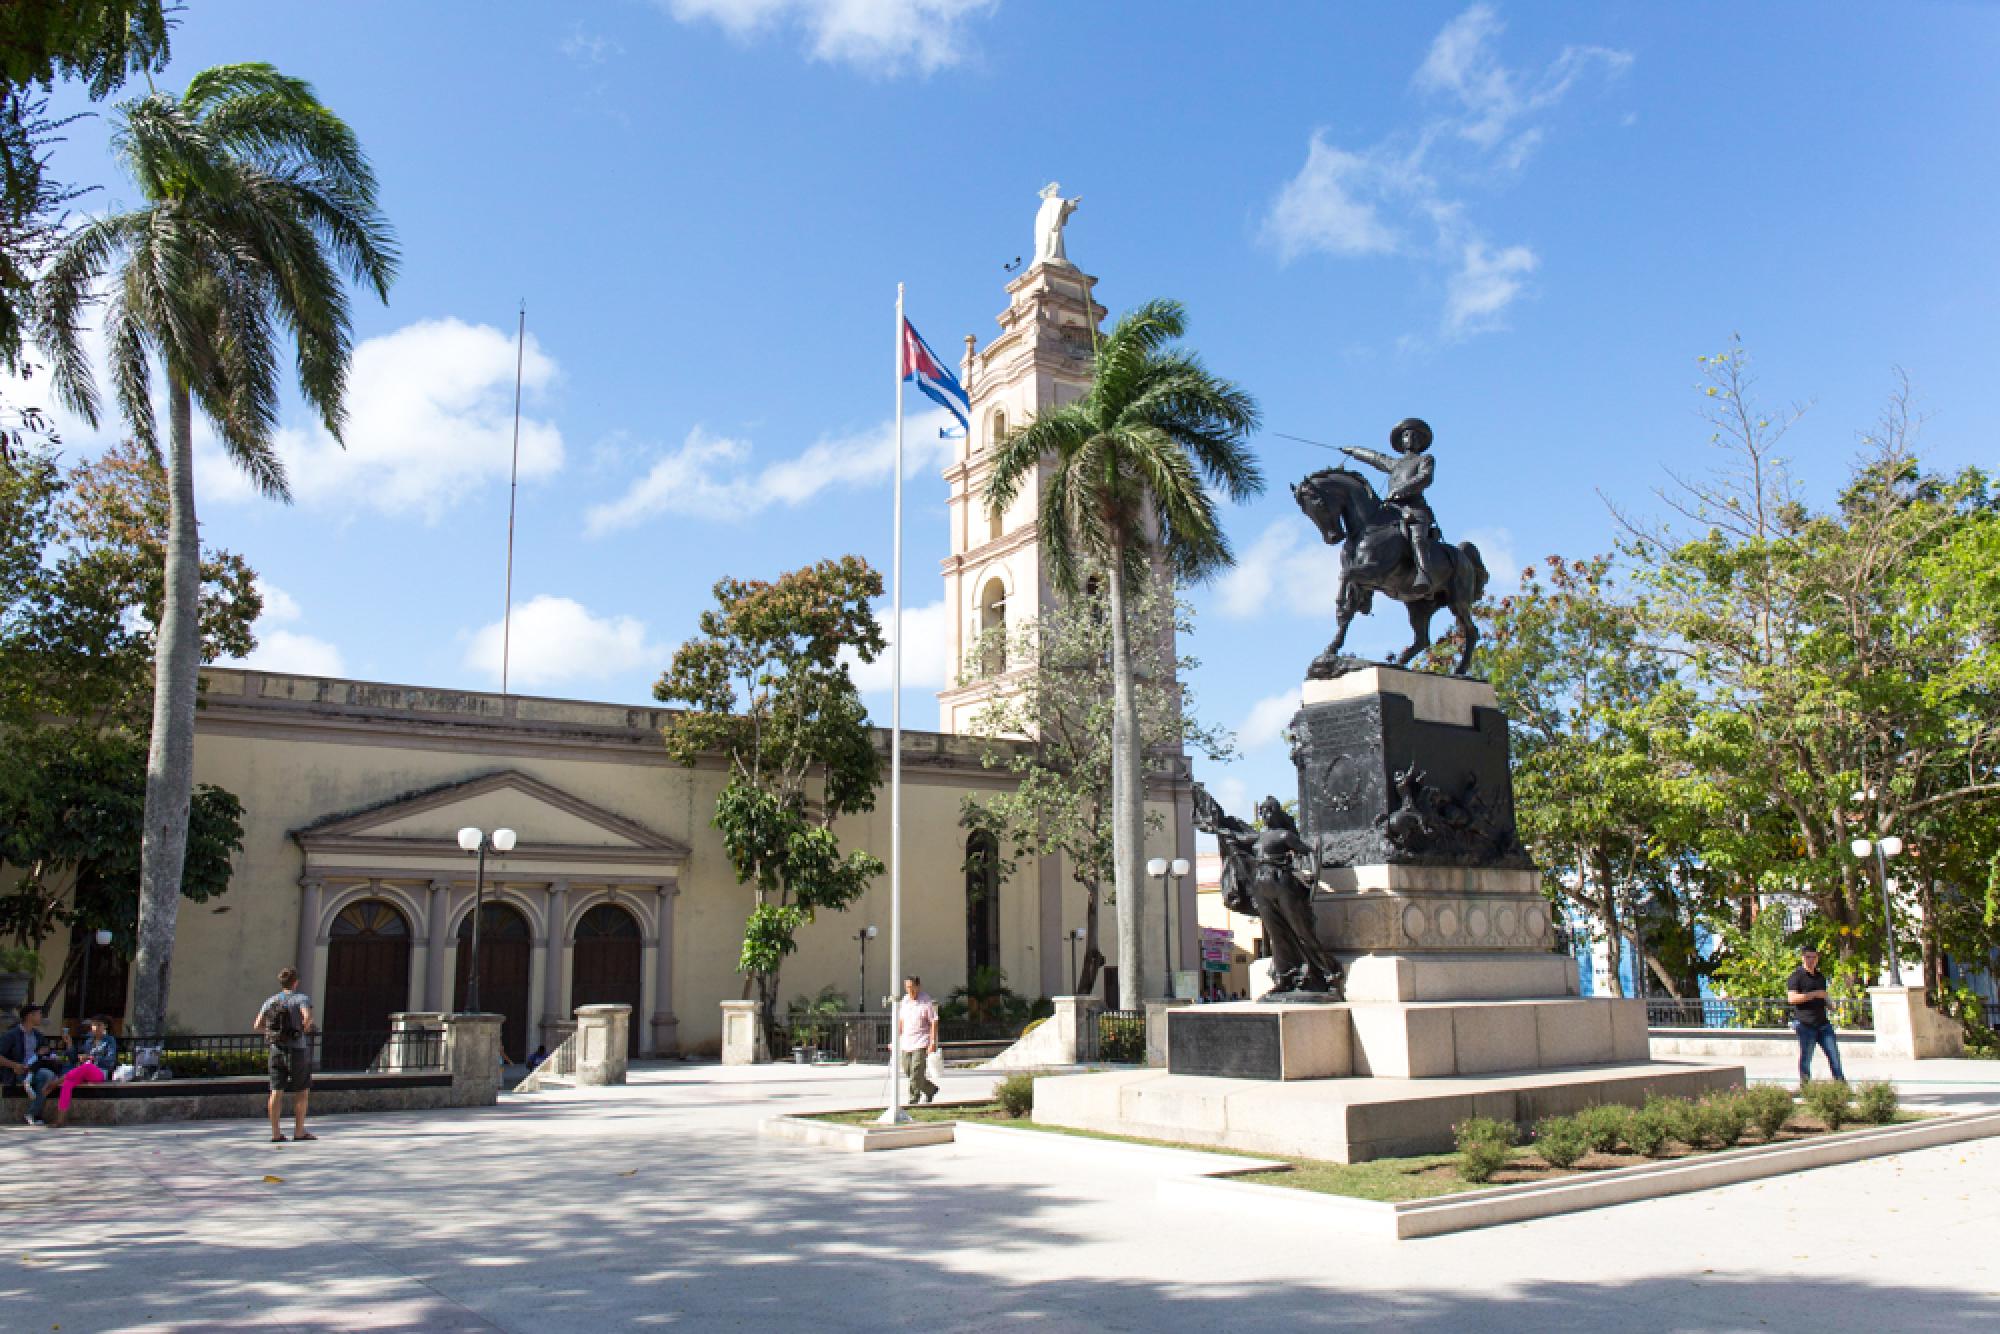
{"type": "Point", "coordinates": [1561, 1140]}
{"type": "Point", "coordinates": [1722, 1120]}
{"type": "Point", "coordinates": [1647, 1130]}
{"type": "Point", "coordinates": [1830, 1100]}
{"type": "Point", "coordinates": [1016, 1095]}
{"type": "Point", "coordinates": [1875, 1102]}
{"type": "Point", "coordinates": [1484, 1145]}
{"type": "Point", "coordinates": [1605, 1124]}
{"type": "Point", "coordinates": [19, 959]}
{"type": "Point", "coordinates": [1770, 1107]}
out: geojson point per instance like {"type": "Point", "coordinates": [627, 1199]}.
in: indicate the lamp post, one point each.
{"type": "Point", "coordinates": [1882, 849]}
{"type": "Point", "coordinates": [1176, 869]}
{"type": "Point", "coordinates": [1074, 934]}
{"type": "Point", "coordinates": [477, 841]}
{"type": "Point", "coordinates": [864, 935]}
{"type": "Point", "coordinates": [102, 938]}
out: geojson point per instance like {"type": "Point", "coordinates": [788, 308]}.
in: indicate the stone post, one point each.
{"type": "Point", "coordinates": [601, 1037]}
{"type": "Point", "coordinates": [406, 1045]}
{"type": "Point", "coordinates": [1076, 1020]}
{"type": "Point", "coordinates": [1906, 1026]}
{"type": "Point", "coordinates": [743, 1033]}
{"type": "Point", "coordinates": [309, 899]}
{"type": "Point", "coordinates": [440, 942]}
{"type": "Point", "coordinates": [1156, 1028]}
{"type": "Point", "coordinates": [666, 1024]}
{"type": "Point", "coordinates": [472, 1055]}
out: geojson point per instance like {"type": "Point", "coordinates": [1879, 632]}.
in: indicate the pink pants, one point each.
{"type": "Point", "coordinates": [82, 1074]}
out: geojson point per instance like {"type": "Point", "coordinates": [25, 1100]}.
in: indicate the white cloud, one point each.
{"type": "Point", "coordinates": [1280, 558]}
{"type": "Point", "coordinates": [1486, 283]}
{"type": "Point", "coordinates": [287, 650]}
{"type": "Point", "coordinates": [883, 37]}
{"type": "Point", "coordinates": [589, 48]}
{"type": "Point", "coordinates": [558, 640]}
{"type": "Point", "coordinates": [1497, 550]}
{"type": "Point", "coordinates": [708, 476]}
{"type": "Point", "coordinates": [1403, 194]}
{"type": "Point", "coordinates": [926, 651]}
{"type": "Point", "coordinates": [1267, 720]}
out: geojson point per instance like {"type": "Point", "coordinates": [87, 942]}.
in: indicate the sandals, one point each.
{"type": "Point", "coordinates": [278, 1139]}
{"type": "Point", "coordinates": [304, 1136]}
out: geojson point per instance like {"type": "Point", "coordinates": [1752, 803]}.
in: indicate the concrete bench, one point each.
{"type": "Point", "coordinates": [138, 1101]}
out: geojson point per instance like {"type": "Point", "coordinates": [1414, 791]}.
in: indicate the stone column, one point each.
{"type": "Point", "coordinates": [472, 1054]}
{"type": "Point", "coordinates": [409, 1048]}
{"type": "Point", "coordinates": [601, 1036]}
{"type": "Point", "coordinates": [1156, 1028]}
{"type": "Point", "coordinates": [1907, 1027]}
{"type": "Point", "coordinates": [555, 1004]}
{"type": "Point", "coordinates": [1076, 1019]}
{"type": "Point", "coordinates": [436, 998]}
{"type": "Point", "coordinates": [743, 1033]}
{"type": "Point", "coordinates": [309, 901]}
{"type": "Point", "coordinates": [666, 1025]}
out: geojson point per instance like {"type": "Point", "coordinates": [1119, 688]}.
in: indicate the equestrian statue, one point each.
{"type": "Point", "coordinates": [1391, 545]}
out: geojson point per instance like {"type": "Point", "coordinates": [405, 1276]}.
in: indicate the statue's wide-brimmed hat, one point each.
{"type": "Point", "coordinates": [1418, 425]}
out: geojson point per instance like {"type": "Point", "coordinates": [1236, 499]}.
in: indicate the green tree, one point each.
{"type": "Point", "coordinates": [256, 197]}
{"type": "Point", "coordinates": [1125, 474]}
{"type": "Point", "coordinates": [1061, 802]}
{"type": "Point", "coordinates": [765, 687]}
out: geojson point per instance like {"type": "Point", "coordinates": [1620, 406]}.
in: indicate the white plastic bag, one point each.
{"type": "Point", "coordinates": [934, 1066]}
{"type": "Point", "coordinates": [123, 1074]}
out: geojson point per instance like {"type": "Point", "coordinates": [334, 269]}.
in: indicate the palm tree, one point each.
{"type": "Point", "coordinates": [1126, 493]}
{"type": "Point", "coordinates": [256, 197]}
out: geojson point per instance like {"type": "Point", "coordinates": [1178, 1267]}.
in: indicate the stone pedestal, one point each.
{"type": "Point", "coordinates": [1251, 1040]}
{"type": "Point", "coordinates": [1156, 1028]}
{"type": "Point", "coordinates": [407, 1040]}
{"type": "Point", "coordinates": [1907, 1026]}
{"type": "Point", "coordinates": [602, 1032]}
{"type": "Point", "coordinates": [472, 1054]}
{"type": "Point", "coordinates": [743, 1033]}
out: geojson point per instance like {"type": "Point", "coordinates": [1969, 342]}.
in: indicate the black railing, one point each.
{"type": "Point", "coordinates": [1121, 1037]}
{"type": "Point", "coordinates": [1735, 1012]}
{"type": "Point", "coordinates": [218, 1055]}
{"type": "Point", "coordinates": [980, 1030]}
{"type": "Point", "coordinates": [822, 1038]}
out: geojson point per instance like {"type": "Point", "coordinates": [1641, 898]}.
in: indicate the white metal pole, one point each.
{"type": "Point", "coordinates": [894, 1113]}
{"type": "Point", "coordinates": [513, 490]}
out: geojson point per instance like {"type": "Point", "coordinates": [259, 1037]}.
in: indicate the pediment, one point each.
{"type": "Point", "coordinates": [545, 818]}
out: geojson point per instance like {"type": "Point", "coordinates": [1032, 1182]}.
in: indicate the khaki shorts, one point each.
{"type": "Point", "coordinates": [291, 1069]}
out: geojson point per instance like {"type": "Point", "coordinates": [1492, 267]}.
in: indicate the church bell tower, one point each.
{"type": "Point", "coordinates": [1041, 359]}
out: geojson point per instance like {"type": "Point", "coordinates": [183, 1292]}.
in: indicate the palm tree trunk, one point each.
{"type": "Point", "coordinates": [170, 759]}
{"type": "Point", "coordinates": [1128, 809]}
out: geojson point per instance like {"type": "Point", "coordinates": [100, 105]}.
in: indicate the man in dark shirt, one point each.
{"type": "Point", "coordinates": [1805, 991]}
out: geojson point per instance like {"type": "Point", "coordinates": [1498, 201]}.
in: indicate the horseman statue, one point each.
{"type": "Point", "coordinates": [1391, 545]}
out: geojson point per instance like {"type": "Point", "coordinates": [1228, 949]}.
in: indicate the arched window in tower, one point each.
{"type": "Point", "coordinates": [996, 524]}
{"type": "Point", "coordinates": [998, 432]}
{"type": "Point", "coordinates": [982, 906]}
{"type": "Point", "coordinates": [993, 626]}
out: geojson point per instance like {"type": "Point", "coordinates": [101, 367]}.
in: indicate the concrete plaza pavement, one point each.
{"type": "Point", "coordinates": [656, 1205]}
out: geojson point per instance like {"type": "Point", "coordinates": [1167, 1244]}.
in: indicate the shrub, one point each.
{"type": "Point", "coordinates": [1605, 1125]}
{"type": "Point", "coordinates": [1016, 1095]}
{"type": "Point", "coordinates": [1770, 1107]}
{"type": "Point", "coordinates": [1875, 1102]}
{"type": "Point", "coordinates": [1646, 1130]}
{"type": "Point", "coordinates": [1561, 1140]}
{"type": "Point", "coordinates": [1830, 1100]}
{"type": "Point", "coordinates": [1722, 1119]}
{"type": "Point", "coordinates": [1032, 1025]}
{"type": "Point", "coordinates": [1484, 1145]}
{"type": "Point", "coordinates": [20, 959]}
{"type": "Point", "coordinates": [1676, 1117]}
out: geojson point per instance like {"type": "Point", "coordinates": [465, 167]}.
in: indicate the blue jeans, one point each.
{"type": "Point", "coordinates": [1817, 1035]}
{"type": "Point", "coordinates": [39, 1080]}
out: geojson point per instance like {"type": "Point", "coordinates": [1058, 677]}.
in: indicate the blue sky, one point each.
{"type": "Point", "coordinates": [1522, 222]}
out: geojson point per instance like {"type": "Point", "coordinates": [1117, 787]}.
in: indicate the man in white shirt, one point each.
{"type": "Point", "coordinates": [917, 1038]}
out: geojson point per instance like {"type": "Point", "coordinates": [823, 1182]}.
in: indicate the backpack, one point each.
{"type": "Point", "coordinates": [281, 1022]}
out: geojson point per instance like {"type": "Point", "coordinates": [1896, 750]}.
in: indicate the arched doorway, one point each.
{"type": "Point", "coordinates": [982, 903]}
{"type": "Point", "coordinates": [504, 947]}
{"type": "Point", "coordinates": [367, 968]}
{"type": "Point", "coordinates": [604, 968]}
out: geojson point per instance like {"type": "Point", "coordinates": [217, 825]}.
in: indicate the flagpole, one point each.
{"type": "Point", "coordinates": [894, 1113]}
{"type": "Point", "coordinates": [513, 488]}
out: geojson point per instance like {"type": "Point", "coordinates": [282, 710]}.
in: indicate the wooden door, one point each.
{"type": "Point", "coordinates": [605, 968]}
{"type": "Point", "coordinates": [367, 969]}
{"type": "Point", "coordinates": [505, 945]}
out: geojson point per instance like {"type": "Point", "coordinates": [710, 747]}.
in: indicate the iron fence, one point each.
{"type": "Point", "coordinates": [822, 1038]}
{"type": "Point", "coordinates": [1121, 1036]}
{"type": "Point", "coordinates": [980, 1030]}
{"type": "Point", "coordinates": [1739, 1012]}
{"type": "Point", "coordinates": [219, 1055]}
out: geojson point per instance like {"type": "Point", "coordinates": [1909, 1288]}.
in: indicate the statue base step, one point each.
{"type": "Point", "coordinates": [1347, 1120]}
{"type": "Point", "coordinates": [1403, 1039]}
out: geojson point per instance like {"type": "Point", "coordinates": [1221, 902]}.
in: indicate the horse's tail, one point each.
{"type": "Point", "coordinates": [1478, 565]}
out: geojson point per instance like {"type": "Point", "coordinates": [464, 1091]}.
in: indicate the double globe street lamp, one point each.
{"type": "Point", "coordinates": [478, 841]}
{"type": "Point", "coordinates": [864, 935]}
{"type": "Point", "coordinates": [1882, 849]}
{"type": "Point", "coordinates": [1176, 869]}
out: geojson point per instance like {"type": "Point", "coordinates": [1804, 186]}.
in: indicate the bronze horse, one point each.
{"type": "Point", "coordinates": [1375, 556]}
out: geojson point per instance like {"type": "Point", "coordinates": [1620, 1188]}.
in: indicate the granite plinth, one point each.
{"type": "Point", "coordinates": [1253, 1040]}
{"type": "Point", "coordinates": [1348, 1120]}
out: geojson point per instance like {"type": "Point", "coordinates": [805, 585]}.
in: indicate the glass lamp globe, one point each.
{"type": "Point", "coordinates": [470, 838]}
{"type": "Point", "coordinates": [1157, 866]}
{"type": "Point", "coordinates": [1892, 846]}
{"type": "Point", "coordinates": [1861, 847]}
{"type": "Point", "coordinates": [503, 840]}
{"type": "Point", "coordinates": [1180, 867]}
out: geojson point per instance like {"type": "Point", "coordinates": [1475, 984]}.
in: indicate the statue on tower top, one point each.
{"type": "Point", "coordinates": [1049, 220]}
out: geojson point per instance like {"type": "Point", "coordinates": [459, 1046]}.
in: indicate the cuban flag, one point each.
{"type": "Point", "coordinates": [921, 364]}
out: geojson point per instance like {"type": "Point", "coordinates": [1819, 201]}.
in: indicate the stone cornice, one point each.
{"type": "Point", "coordinates": [1004, 545]}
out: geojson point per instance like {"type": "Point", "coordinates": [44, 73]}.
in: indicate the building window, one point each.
{"type": "Point", "coordinates": [993, 626]}
{"type": "Point", "coordinates": [996, 524]}
{"type": "Point", "coordinates": [998, 430]}
{"type": "Point", "coordinates": [982, 904]}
